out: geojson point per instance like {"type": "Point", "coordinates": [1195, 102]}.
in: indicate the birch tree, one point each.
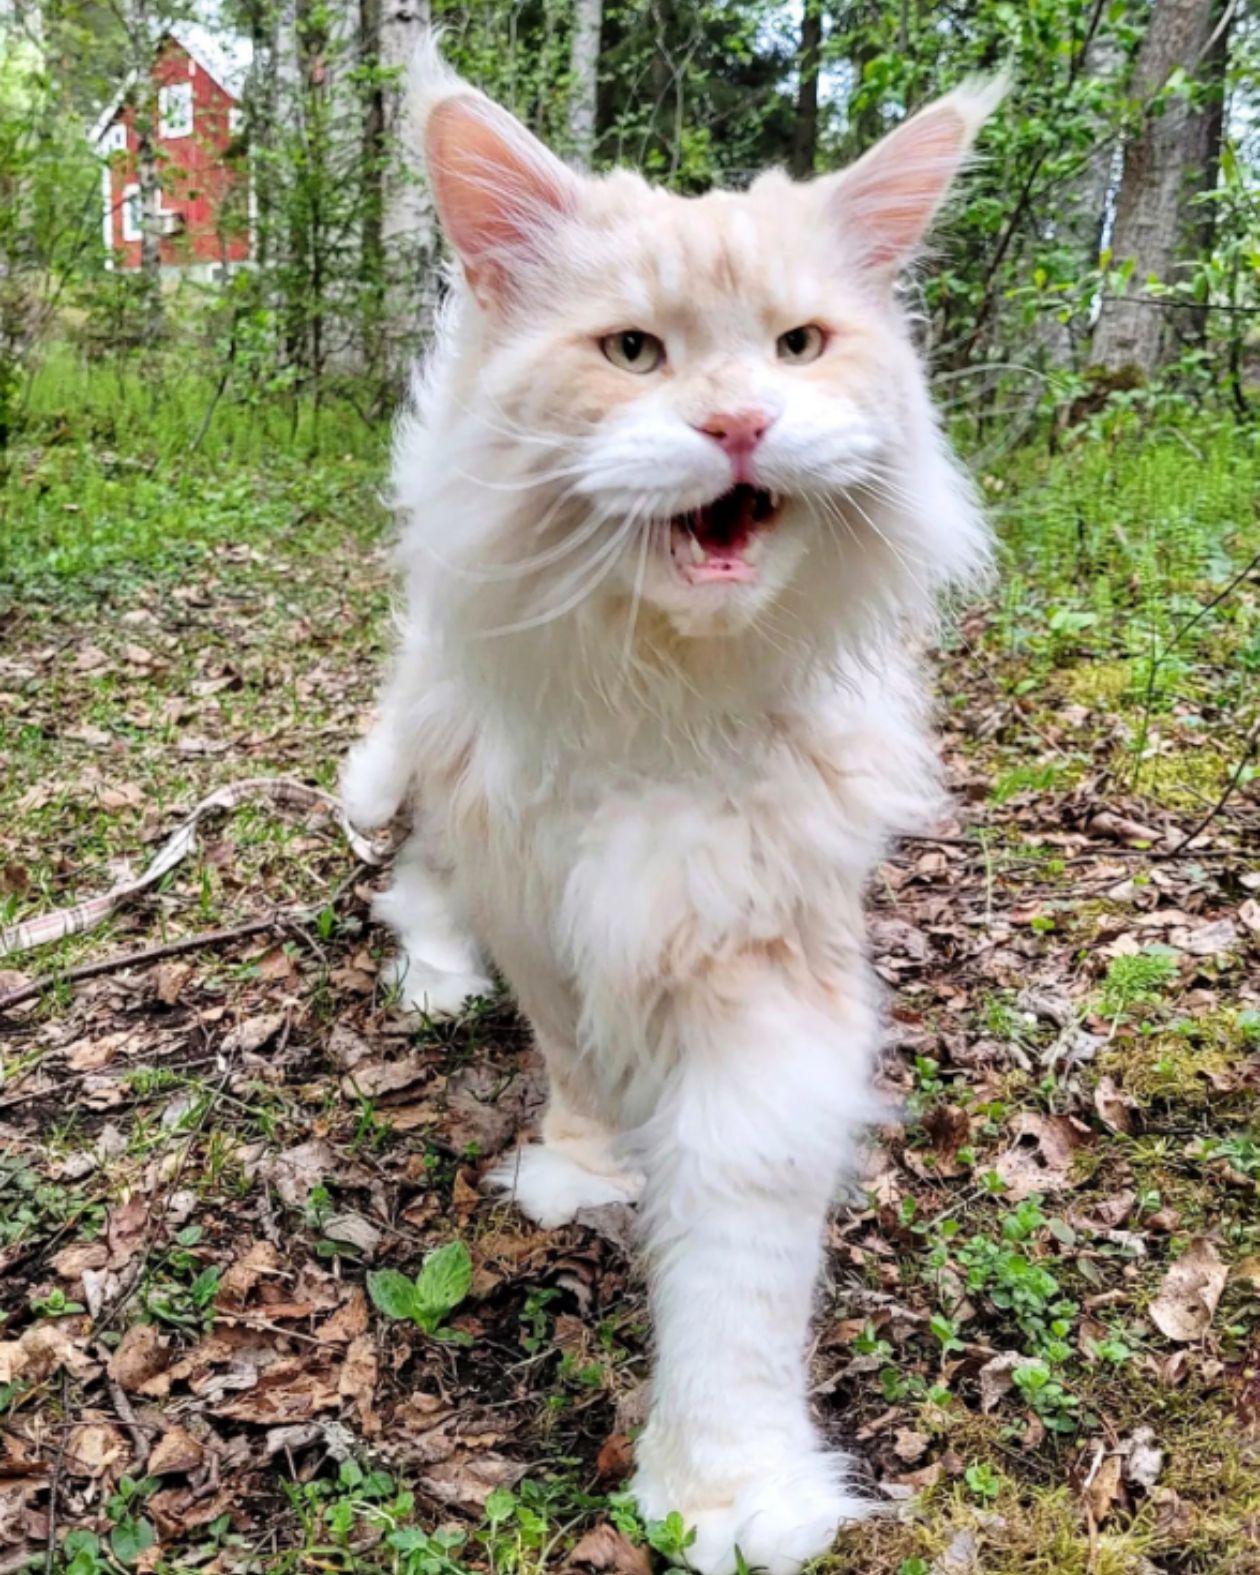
{"type": "Point", "coordinates": [588, 18]}
{"type": "Point", "coordinates": [1159, 165]}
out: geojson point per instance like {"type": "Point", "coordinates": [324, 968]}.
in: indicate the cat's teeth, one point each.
{"type": "Point", "coordinates": [698, 554]}
{"type": "Point", "coordinates": [775, 500]}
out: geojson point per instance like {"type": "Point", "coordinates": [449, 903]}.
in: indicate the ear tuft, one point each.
{"type": "Point", "coordinates": [499, 192]}
{"type": "Point", "coordinates": [886, 201]}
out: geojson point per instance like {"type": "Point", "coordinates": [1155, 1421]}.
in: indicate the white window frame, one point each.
{"type": "Point", "coordinates": [175, 110]}
{"type": "Point", "coordinates": [132, 217]}
{"type": "Point", "coordinates": [236, 118]}
{"type": "Point", "coordinates": [115, 139]}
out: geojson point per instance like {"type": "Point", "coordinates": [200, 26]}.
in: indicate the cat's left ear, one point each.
{"type": "Point", "coordinates": [885, 202]}
{"type": "Point", "coordinates": [500, 194]}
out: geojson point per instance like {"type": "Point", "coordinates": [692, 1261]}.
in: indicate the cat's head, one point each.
{"type": "Point", "coordinates": [709, 405]}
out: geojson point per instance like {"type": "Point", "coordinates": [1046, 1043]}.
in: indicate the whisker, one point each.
{"type": "Point", "coordinates": [604, 559]}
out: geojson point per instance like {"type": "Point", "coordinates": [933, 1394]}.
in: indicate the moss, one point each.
{"type": "Point", "coordinates": [1100, 685]}
{"type": "Point", "coordinates": [1197, 1064]}
{"type": "Point", "coordinates": [1190, 779]}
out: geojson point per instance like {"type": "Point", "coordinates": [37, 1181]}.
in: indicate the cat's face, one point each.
{"type": "Point", "coordinates": [704, 381]}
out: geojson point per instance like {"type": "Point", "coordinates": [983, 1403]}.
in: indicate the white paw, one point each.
{"type": "Point", "coordinates": [785, 1517]}
{"type": "Point", "coordinates": [551, 1187]}
{"type": "Point", "coordinates": [433, 991]}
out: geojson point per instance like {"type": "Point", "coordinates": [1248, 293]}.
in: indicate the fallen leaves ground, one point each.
{"type": "Point", "coordinates": [1038, 1334]}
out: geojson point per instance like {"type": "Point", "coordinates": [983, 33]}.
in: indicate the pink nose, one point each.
{"type": "Point", "coordinates": [737, 432]}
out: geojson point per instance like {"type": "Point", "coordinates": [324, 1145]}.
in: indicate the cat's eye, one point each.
{"type": "Point", "coordinates": [632, 350]}
{"type": "Point", "coordinates": [801, 345]}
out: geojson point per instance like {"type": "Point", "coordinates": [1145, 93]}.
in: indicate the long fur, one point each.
{"type": "Point", "coordinates": [653, 805]}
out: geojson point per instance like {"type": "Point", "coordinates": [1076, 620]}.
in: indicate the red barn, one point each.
{"type": "Point", "coordinates": [205, 224]}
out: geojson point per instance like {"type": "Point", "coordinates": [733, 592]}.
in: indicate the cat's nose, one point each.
{"type": "Point", "coordinates": [737, 432]}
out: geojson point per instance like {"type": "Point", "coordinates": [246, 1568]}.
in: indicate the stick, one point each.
{"type": "Point", "coordinates": [1253, 737]}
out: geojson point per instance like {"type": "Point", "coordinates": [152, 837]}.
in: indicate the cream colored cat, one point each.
{"type": "Point", "coordinates": [675, 506]}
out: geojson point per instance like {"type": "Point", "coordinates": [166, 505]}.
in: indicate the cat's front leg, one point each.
{"type": "Point", "coordinates": [439, 964]}
{"type": "Point", "coordinates": [580, 1162]}
{"type": "Point", "coordinates": [742, 1158]}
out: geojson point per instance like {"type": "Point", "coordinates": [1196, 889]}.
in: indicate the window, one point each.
{"type": "Point", "coordinates": [115, 139]}
{"type": "Point", "coordinates": [175, 110]}
{"type": "Point", "coordinates": [131, 213]}
{"type": "Point", "coordinates": [236, 119]}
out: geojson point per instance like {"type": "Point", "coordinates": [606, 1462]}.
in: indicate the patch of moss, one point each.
{"type": "Point", "coordinates": [1189, 779]}
{"type": "Point", "coordinates": [1100, 685]}
{"type": "Point", "coordinates": [1196, 1063]}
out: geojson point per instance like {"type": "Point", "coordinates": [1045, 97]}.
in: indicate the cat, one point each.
{"type": "Point", "coordinates": [676, 511]}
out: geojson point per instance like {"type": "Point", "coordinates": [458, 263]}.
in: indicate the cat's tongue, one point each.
{"type": "Point", "coordinates": [715, 539]}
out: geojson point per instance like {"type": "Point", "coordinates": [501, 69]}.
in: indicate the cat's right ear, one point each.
{"type": "Point", "coordinates": [499, 193]}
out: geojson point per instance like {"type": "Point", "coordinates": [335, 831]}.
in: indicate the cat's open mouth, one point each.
{"type": "Point", "coordinates": [717, 542]}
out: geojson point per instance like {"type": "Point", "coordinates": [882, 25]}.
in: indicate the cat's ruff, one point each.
{"type": "Point", "coordinates": [676, 509]}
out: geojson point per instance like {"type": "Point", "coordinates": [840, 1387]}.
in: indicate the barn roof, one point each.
{"type": "Point", "coordinates": [228, 62]}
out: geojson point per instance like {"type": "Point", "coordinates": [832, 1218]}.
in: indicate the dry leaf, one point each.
{"type": "Point", "coordinates": [997, 1377]}
{"type": "Point", "coordinates": [140, 1358]}
{"type": "Point", "coordinates": [1187, 1300]}
{"type": "Point", "coordinates": [1040, 1159]}
{"type": "Point", "coordinates": [1145, 1460]}
{"type": "Point", "coordinates": [70, 1262]}
{"type": "Point", "coordinates": [93, 1447]}
{"type": "Point", "coordinates": [169, 979]}
{"type": "Point", "coordinates": [126, 1229]}
{"type": "Point", "coordinates": [176, 1450]}
{"type": "Point", "coordinates": [1211, 939]}
{"type": "Point", "coordinates": [41, 1350]}
{"type": "Point", "coordinates": [603, 1548]}
{"type": "Point", "coordinates": [468, 1480]}
{"type": "Point", "coordinates": [1105, 1488]}
{"type": "Point", "coordinates": [349, 1321]}
{"type": "Point", "coordinates": [1115, 1108]}
{"type": "Point", "coordinates": [358, 1382]}
{"type": "Point", "coordinates": [909, 1445]}
{"type": "Point", "coordinates": [253, 1034]}
{"type": "Point", "coordinates": [259, 1259]}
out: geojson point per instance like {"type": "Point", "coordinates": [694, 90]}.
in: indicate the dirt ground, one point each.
{"type": "Point", "coordinates": [1038, 1333]}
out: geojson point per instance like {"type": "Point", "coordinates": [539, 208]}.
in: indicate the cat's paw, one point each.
{"type": "Point", "coordinates": [785, 1517]}
{"type": "Point", "coordinates": [551, 1187]}
{"type": "Point", "coordinates": [433, 991]}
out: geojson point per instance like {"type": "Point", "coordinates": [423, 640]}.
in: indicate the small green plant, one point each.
{"type": "Point", "coordinates": [670, 1537]}
{"type": "Point", "coordinates": [54, 1305]}
{"type": "Point", "coordinates": [132, 1533]}
{"type": "Point", "coordinates": [439, 1288]}
{"type": "Point", "coordinates": [83, 1554]}
{"type": "Point", "coordinates": [983, 1482]}
{"type": "Point", "coordinates": [1136, 981]}
{"type": "Point", "coordinates": [1054, 1404]}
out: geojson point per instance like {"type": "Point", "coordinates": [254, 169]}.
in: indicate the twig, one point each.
{"type": "Point", "coordinates": [138, 1433]}
{"type": "Point", "coordinates": [1253, 737]}
{"type": "Point", "coordinates": [54, 1486]}
{"type": "Point", "coordinates": [121, 960]}
{"type": "Point", "coordinates": [284, 919]}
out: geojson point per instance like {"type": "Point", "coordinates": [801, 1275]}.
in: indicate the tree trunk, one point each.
{"type": "Point", "coordinates": [1080, 215]}
{"type": "Point", "coordinates": [1207, 131]}
{"type": "Point", "coordinates": [148, 178]}
{"type": "Point", "coordinates": [407, 236]}
{"type": "Point", "coordinates": [588, 17]}
{"type": "Point", "coordinates": [805, 131]}
{"type": "Point", "coordinates": [1158, 165]}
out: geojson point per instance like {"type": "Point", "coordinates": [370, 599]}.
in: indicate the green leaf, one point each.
{"type": "Point", "coordinates": [393, 1294]}
{"type": "Point", "coordinates": [443, 1282]}
{"type": "Point", "coordinates": [130, 1537]}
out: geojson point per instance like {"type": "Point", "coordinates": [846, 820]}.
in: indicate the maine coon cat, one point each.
{"type": "Point", "coordinates": [675, 506]}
